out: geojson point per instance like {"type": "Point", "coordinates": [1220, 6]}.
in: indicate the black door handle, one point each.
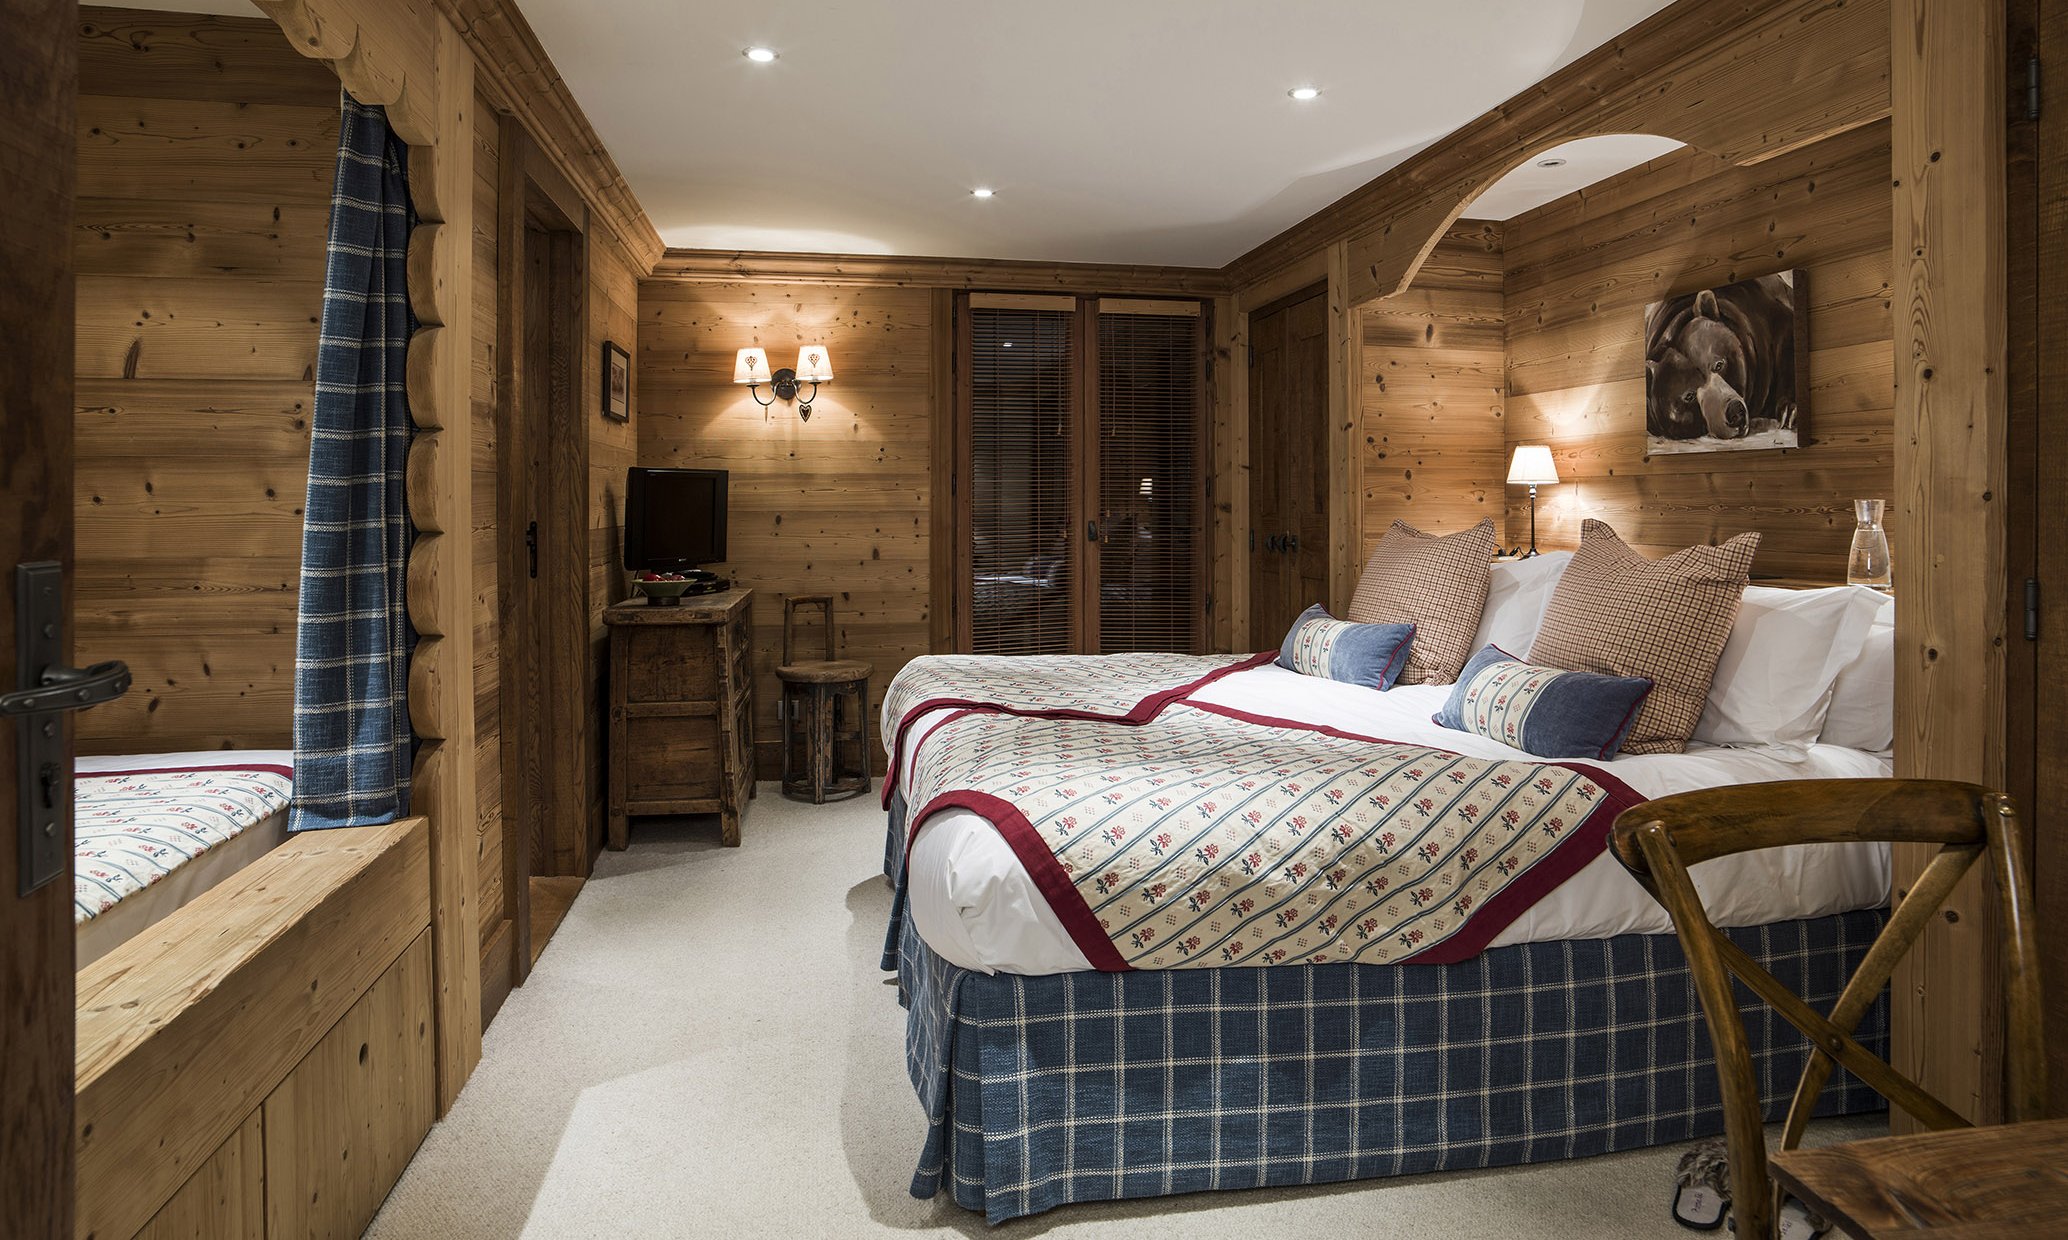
{"type": "Point", "coordinates": [69, 688]}
{"type": "Point", "coordinates": [1292, 542]}
{"type": "Point", "coordinates": [531, 547]}
{"type": "Point", "coordinates": [44, 687]}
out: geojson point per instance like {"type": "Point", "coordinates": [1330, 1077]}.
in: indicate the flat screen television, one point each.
{"type": "Point", "coordinates": [674, 518]}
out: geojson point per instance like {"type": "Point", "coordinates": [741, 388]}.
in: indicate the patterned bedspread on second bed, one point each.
{"type": "Point", "coordinates": [136, 827]}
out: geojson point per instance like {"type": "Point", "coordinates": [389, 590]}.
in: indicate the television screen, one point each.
{"type": "Point", "coordinates": [674, 518]}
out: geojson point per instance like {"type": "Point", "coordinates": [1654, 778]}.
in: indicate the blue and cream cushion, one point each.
{"type": "Point", "coordinates": [1358, 654]}
{"type": "Point", "coordinates": [1543, 710]}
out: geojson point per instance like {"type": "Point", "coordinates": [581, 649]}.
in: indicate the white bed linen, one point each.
{"type": "Point", "coordinates": [97, 936]}
{"type": "Point", "coordinates": [975, 905]}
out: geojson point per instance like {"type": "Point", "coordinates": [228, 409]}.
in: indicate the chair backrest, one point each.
{"type": "Point", "coordinates": [791, 606]}
{"type": "Point", "coordinates": [1659, 840]}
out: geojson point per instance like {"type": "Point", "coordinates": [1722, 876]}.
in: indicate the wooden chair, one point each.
{"type": "Point", "coordinates": [1659, 840]}
{"type": "Point", "coordinates": [825, 714]}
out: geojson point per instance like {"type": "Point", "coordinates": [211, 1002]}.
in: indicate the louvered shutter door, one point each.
{"type": "Point", "coordinates": [1151, 583]}
{"type": "Point", "coordinates": [1022, 433]}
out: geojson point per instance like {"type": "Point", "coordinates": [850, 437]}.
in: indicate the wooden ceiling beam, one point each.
{"type": "Point", "coordinates": [757, 267]}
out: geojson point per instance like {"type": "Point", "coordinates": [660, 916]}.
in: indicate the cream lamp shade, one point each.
{"type": "Point", "coordinates": [751, 366]}
{"type": "Point", "coordinates": [1531, 465]}
{"type": "Point", "coordinates": [814, 364]}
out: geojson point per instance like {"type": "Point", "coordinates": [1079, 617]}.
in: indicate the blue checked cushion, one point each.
{"type": "Point", "coordinates": [1543, 710]}
{"type": "Point", "coordinates": [1357, 654]}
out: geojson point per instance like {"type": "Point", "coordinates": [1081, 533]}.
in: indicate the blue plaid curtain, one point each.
{"type": "Point", "coordinates": [352, 738]}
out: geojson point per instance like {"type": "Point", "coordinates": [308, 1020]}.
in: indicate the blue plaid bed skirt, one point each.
{"type": "Point", "coordinates": [1040, 1091]}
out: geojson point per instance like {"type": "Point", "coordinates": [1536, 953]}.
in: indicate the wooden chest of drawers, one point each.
{"type": "Point", "coordinates": [681, 711]}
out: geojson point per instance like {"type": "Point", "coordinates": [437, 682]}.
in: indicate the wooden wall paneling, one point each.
{"type": "Point", "coordinates": [611, 449]}
{"type": "Point", "coordinates": [498, 904]}
{"type": "Point", "coordinates": [1430, 393]}
{"type": "Point", "coordinates": [1951, 414]}
{"type": "Point", "coordinates": [2038, 220]}
{"type": "Point", "coordinates": [1345, 462]}
{"type": "Point", "coordinates": [1578, 274]}
{"type": "Point", "coordinates": [1770, 76]}
{"type": "Point", "coordinates": [223, 1200]}
{"type": "Point", "coordinates": [209, 145]}
{"type": "Point", "coordinates": [841, 504]}
{"type": "Point", "coordinates": [441, 594]}
{"type": "Point", "coordinates": [1227, 490]}
{"type": "Point", "coordinates": [346, 1121]}
{"type": "Point", "coordinates": [943, 597]}
{"type": "Point", "coordinates": [184, 1030]}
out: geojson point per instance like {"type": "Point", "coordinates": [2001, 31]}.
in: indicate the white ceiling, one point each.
{"type": "Point", "coordinates": [1143, 131]}
{"type": "Point", "coordinates": [1137, 131]}
{"type": "Point", "coordinates": [1582, 162]}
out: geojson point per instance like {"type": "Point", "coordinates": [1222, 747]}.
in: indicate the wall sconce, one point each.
{"type": "Point", "coordinates": [814, 366]}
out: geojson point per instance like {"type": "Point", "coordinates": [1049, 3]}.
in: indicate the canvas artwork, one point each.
{"type": "Point", "coordinates": [1726, 368]}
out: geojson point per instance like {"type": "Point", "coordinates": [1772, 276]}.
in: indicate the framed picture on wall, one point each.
{"type": "Point", "coordinates": [617, 383]}
{"type": "Point", "coordinates": [1726, 369]}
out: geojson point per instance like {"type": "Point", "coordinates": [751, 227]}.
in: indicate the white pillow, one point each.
{"type": "Point", "coordinates": [1863, 702]}
{"type": "Point", "coordinates": [1774, 681]}
{"type": "Point", "coordinates": [1515, 600]}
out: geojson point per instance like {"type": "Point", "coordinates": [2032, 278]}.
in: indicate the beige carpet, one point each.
{"type": "Point", "coordinates": [707, 1049]}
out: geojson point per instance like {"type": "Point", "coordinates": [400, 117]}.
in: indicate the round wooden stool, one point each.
{"type": "Point", "coordinates": [825, 715]}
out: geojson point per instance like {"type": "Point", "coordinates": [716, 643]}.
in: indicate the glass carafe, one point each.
{"type": "Point", "coordinates": [1868, 565]}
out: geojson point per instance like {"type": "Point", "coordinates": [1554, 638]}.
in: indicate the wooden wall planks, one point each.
{"type": "Point", "coordinates": [614, 306]}
{"type": "Point", "coordinates": [1431, 392]}
{"type": "Point", "coordinates": [840, 504]}
{"type": "Point", "coordinates": [1579, 272]}
{"type": "Point", "coordinates": [205, 152]}
{"type": "Point", "coordinates": [482, 394]}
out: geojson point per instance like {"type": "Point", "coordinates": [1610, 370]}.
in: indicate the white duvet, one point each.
{"type": "Point", "coordinates": [976, 906]}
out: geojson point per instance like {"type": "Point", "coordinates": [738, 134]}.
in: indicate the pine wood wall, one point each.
{"type": "Point", "coordinates": [482, 395]}
{"type": "Point", "coordinates": [1432, 392]}
{"type": "Point", "coordinates": [205, 165]}
{"type": "Point", "coordinates": [836, 505]}
{"type": "Point", "coordinates": [613, 446]}
{"type": "Point", "coordinates": [1579, 273]}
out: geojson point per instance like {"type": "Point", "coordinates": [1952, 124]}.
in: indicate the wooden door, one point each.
{"type": "Point", "coordinates": [37, 103]}
{"type": "Point", "coordinates": [1288, 462]}
{"type": "Point", "coordinates": [2037, 542]}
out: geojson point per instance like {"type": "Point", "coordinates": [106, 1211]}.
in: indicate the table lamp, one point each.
{"type": "Point", "coordinates": [1531, 466]}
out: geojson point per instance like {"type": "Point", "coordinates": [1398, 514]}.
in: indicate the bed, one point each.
{"type": "Point", "coordinates": [155, 831]}
{"type": "Point", "coordinates": [1574, 1030]}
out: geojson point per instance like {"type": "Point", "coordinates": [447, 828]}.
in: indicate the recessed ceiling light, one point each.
{"type": "Point", "coordinates": [1304, 93]}
{"type": "Point", "coordinates": [760, 55]}
{"type": "Point", "coordinates": [1553, 162]}
{"type": "Point", "coordinates": [982, 192]}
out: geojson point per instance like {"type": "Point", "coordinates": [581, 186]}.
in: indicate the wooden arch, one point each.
{"type": "Point", "coordinates": [406, 57]}
{"type": "Point", "coordinates": [1744, 82]}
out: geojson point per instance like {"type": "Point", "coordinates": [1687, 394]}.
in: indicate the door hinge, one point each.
{"type": "Point", "coordinates": [2031, 609]}
{"type": "Point", "coordinates": [2032, 89]}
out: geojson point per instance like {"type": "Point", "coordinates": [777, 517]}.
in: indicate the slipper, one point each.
{"type": "Point", "coordinates": [1799, 1222]}
{"type": "Point", "coordinates": [1701, 1188]}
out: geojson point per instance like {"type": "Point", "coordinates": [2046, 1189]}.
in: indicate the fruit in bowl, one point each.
{"type": "Point", "coordinates": [661, 585]}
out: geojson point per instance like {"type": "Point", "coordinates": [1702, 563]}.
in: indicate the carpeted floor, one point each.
{"type": "Point", "coordinates": [706, 1049]}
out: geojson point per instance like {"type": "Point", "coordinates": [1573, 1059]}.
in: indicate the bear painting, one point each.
{"type": "Point", "coordinates": [1724, 368]}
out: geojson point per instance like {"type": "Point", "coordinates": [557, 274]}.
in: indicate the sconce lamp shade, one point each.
{"type": "Point", "coordinates": [1531, 465]}
{"type": "Point", "coordinates": [750, 367]}
{"type": "Point", "coordinates": [814, 364]}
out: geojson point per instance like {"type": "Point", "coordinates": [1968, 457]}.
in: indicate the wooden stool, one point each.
{"type": "Point", "coordinates": [825, 715]}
